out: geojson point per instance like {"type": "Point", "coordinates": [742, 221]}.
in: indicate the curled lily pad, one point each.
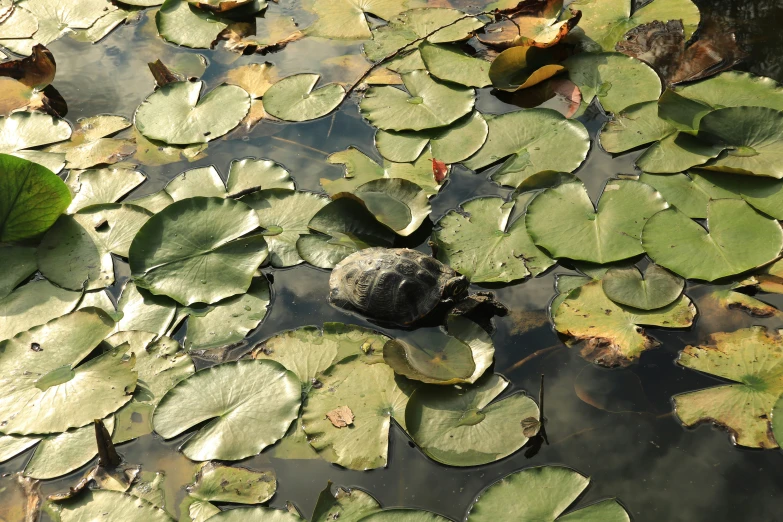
{"type": "Point", "coordinates": [685, 247]}
{"type": "Point", "coordinates": [112, 505]}
{"type": "Point", "coordinates": [346, 19]}
{"type": "Point", "coordinates": [397, 203]}
{"type": "Point", "coordinates": [531, 141]}
{"type": "Point", "coordinates": [181, 23]}
{"type": "Point", "coordinates": [22, 131]}
{"type": "Point", "coordinates": [563, 221]}
{"type": "Point", "coordinates": [295, 98]}
{"type": "Point", "coordinates": [31, 198]}
{"type": "Point", "coordinates": [345, 504]}
{"type": "Point", "coordinates": [34, 304]}
{"type": "Point", "coordinates": [174, 113]}
{"type": "Point", "coordinates": [249, 406]}
{"type": "Point", "coordinates": [47, 390]}
{"type": "Point", "coordinates": [452, 65]}
{"type": "Point", "coordinates": [518, 496]}
{"type": "Point", "coordinates": [751, 359]}
{"type": "Point", "coordinates": [194, 250]}
{"type": "Point", "coordinates": [522, 67]}
{"type": "Point", "coordinates": [463, 238]}
{"type": "Point", "coordinates": [659, 287]}
{"type": "Point", "coordinates": [96, 186]}
{"type": "Point", "coordinates": [427, 104]}
{"type": "Point", "coordinates": [611, 332]}
{"type": "Point", "coordinates": [464, 427]}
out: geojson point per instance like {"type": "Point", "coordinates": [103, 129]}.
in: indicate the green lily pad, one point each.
{"type": "Point", "coordinates": [13, 445]}
{"type": "Point", "coordinates": [348, 505]}
{"type": "Point", "coordinates": [677, 152]}
{"type": "Point", "coordinates": [105, 24]}
{"type": "Point", "coordinates": [218, 483]}
{"type": "Point", "coordinates": [611, 332]}
{"type": "Point", "coordinates": [230, 320]}
{"type": "Point", "coordinates": [76, 253]}
{"type": "Point", "coordinates": [464, 237]}
{"type": "Point", "coordinates": [404, 515]}
{"type": "Point", "coordinates": [751, 359]}
{"type": "Point", "coordinates": [96, 186]}
{"type": "Point", "coordinates": [111, 505]}
{"type": "Point", "coordinates": [341, 228]}
{"type": "Point", "coordinates": [450, 64]}
{"type": "Point", "coordinates": [143, 311]}
{"type": "Point", "coordinates": [463, 427]}
{"type": "Point", "coordinates": [20, 23]}
{"type": "Point", "coordinates": [193, 251]}
{"type": "Point", "coordinates": [255, 514]}
{"type": "Point", "coordinates": [541, 495]}
{"type": "Point", "coordinates": [397, 203]}
{"type": "Point", "coordinates": [522, 67]}
{"type": "Point", "coordinates": [249, 406]}
{"type": "Point", "coordinates": [285, 214]}
{"type": "Point", "coordinates": [174, 113]}
{"type": "Point", "coordinates": [563, 221]}
{"type": "Point", "coordinates": [735, 89]}
{"type": "Point", "coordinates": [22, 131]}
{"type": "Point", "coordinates": [59, 454]}
{"type": "Point", "coordinates": [657, 289]}
{"type": "Point", "coordinates": [295, 98]}
{"type": "Point", "coordinates": [531, 141]}
{"type": "Point", "coordinates": [91, 143]}
{"type": "Point", "coordinates": [451, 144]}
{"type": "Point", "coordinates": [34, 304]}
{"type": "Point", "coordinates": [374, 396]}
{"type": "Point", "coordinates": [255, 174]}
{"type": "Point", "coordinates": [690, 192]}
{"type": "Point", "coordinates": [685, 247]}
{"type": "Point", "coordinates": [617, 80]}
{"type": "Point", "coordinates": [634, 126]}
{"type": "Point", "coordinates": [31, 198]}
{"type": "Point", "coordinates": [346, 19]}
{"type": "Point", "coordinates": [777, 420]}
{"type": "Point", "coordinates": [18, 264]}
{"type": "Point", "coordinates": [47, 390]}
{"type": "Point", "coordinates": [56, 19]}
{"type": "Point", "coordinates": [427, 103]}
{"type": "Point", "coordinates": [183, 24]}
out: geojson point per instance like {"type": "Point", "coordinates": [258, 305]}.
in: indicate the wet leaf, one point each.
{"type": "Point", "coordinates": [295, 98]}
{"type": "Point", "coordinates": [563, 221]}
{"type": "Point", "coordinates": [194, 250]}
{"type": "Point", "coordinates": [34, 304]}
{"type": "Point", "coordinates": [685, 247]}
{"type": "Point", "coordinates": [174, 113]}
{"type": "Point", "coordinates": [464, 427]}
{"type": "Point", "coordinates": [397, 203]}
{"type": "Point", "coordinates": [749, 358]}
{"type": "Point", "coordinates": [93, 187]}
{"type": "Point", "coordinates": [111, 505]}
{"type": "Point", "coordinates": [427, 103]}
{"type": "Point", "coordinates": [345, 19]}
{"type": "Point", "coordinates": [450, 64]}
{"type": "Point", "coordinates": [522, 67]}
{"type": "Point", "coordinates": [218, 483]}
{"type": "Point", "coordinates": [249, 406]}
{"type": "Point", "coordinates": [531, 141]}
{"type": "Point", "coordinates": [346, 505]}
{"type": "Point", "coordinates": [611, 332]}
{"type": "Point", "coordinates": [23, 131]}
{"type": "Point", "coordinates": [518, 496]}
{"type": "Point", "coordinates": [463, 237]}
{"type": "Point", "coordinates": [340, 417]}
{"type": "Point", "coordinates": [48, 390]}
{"type": "Point", "coordinates": [183, 24]}
{"type": "Point", "coordinates": [658, 288]}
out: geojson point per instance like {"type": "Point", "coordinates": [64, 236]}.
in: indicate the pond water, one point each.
{"type": "Point", "coordinates": [614, 425]}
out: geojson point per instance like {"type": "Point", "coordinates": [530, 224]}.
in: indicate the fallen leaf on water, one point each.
{"type": "Point", "coordinates": [161, 73]}
{"type": "Point", "coordinates": [340, 417]}
{"type": "Point", "coordinates": [439, 170]}
{"type": "Point", "coordinates": [35, 71]}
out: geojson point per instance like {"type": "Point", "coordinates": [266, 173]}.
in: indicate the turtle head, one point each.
{"type": "Point", "coordinates": [455, 288]}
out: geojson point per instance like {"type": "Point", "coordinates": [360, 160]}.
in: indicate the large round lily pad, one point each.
{"type": "Point", "coordinates": [249, 406]}
{"type": "Point", "coordinates": [183, 24]}
{"type": "Point", "coordinates": [295, 98]}
{"type": "Point", "coordinates": [452, 65]}
{"type": "Point", "coordinates": [193, 251]}
{"type": "Point", "coordinates": [659, 287]}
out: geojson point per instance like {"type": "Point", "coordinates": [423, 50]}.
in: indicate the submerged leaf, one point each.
{"type": "Point", "coordinates": [659, 287]}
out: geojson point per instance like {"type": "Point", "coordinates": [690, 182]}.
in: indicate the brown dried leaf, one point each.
{"type": "Point", "coordinates": [255, 78]}
{"type": "Point", "coordinates": [440, 170]}
{"type": "Point", "coordinates": [36, 71]}
{"type": "Point", "coordinates": [162, 74]}
{"type": "Point", "coordinates": [340, 417]}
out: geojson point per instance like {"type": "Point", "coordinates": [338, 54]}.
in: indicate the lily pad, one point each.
{"type": "Point", "coordinates": [93, 187]}
{"type": "Point", "coordinates": [143, 311]}
{"type": "Point", "coordinates": [111, 505]}
{"type": "Point", "coordinates": [611, 332]}
{"type": "Point", "coordinates": [249, 406]}
{"type": "Point", "coordinates": [734, 89]}
{"type": "Point", "coordinates": [183, 24]}
{"type": "Point", "coordinates": [692, 191]}
{"type": "Point", "coordinates": [463, 427]}
{"type": "Point", "coordinates": [531, 141]}
{"type": "Point", "coordinates": [193, 251]}
{"type": "Point", "coordinates": [677, 152]}
{"type": "Point", "coordinates": [522, 67]}
{"type": "Point", "coordinates": [255, 514]}
{"type": "Point", "coordinates": [22, 131]}
{"type": "Point", "coordinates": [48, 390]}
{"type": "Point", "coordinates": [59, 454]}
{"type": "Point", "coordinates": [404, 515]}
{"type": "Point", "coordinates": [91, 143]}
{"type": "Point", "coordinates": [541, 495]}
{"type": "Point", "coordinates": [34, 304]}
{"type": "Point", "coordinates": [427, 103]}
{"type": "Point", "coordinates": [636, 125]}
{"type": "Point", "coordinates": [374, 396]}
{"type": "Point", "coordinates": [349, 505]}
{"type": "Point", "coordinates": [481, 243]}
{"type": "Point", "coordinates": [777, 420]}
{"type": "Point", "coordinates": [249, 174]}
{"type": "Point", "coordinates": [450, 64]}
{"type": "Point", "coordinates": [346, 19]}
{"type": "Point", "coordinates": [295, 98]}
{"type": "Point", "coordinates": [751, 359]}
{"type": "Point", "coordinates": [659, 287]}
{"type": "Point", "coordinates": [174, 113]}
{"type": "Point", "coordinates": [397, 203]}
{"type": "Point", "coordinates": [55, 19]}
{"type": "Point", "coordinates": [18, 264]}
{"type": "Point", "coordinates": [31, 198]}
{"type": "Point", "coordinates": [685, 247]}
{"type": "Point", "coordinates": [255, 78]}
{"type": "Point", "coordinates": [218, 483]}
{"type": "Point", "coordinates": [563, 221]}
{"type": "Point", "coordinates": [284, 214]}
{"type": "Point", "coordinates": [451, 144]}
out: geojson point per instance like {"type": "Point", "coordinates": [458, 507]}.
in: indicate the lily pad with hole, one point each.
{"type": "Point", "coordinates": [346, 19]}
{"type": "Point", "coordinates": [612, 334]}
{"type": "Point", "coordinates": [47, 390]}
{"type": "Point", "coordinates": [542, 494]}
{"type": "Point", "coordinates": [522, 67]}
{"type": "Point", "coordinates": [427, 104]}
{"type": "Point", "coordinates": [374, 395]}
{"type": "Point", "coordinates": [183, 24]}
{"type": "Point", "coordinates": [284, 214]}
{"type": "Point", "coordinates": [654, 289]}
{"type": "Point", "coordinates": [31, 198]}
{"type": "Point", "coordinates": [295, 98]}
{"type": "Point", "coordinates": [350, 505]}
{"type": "Point", "coordinates": [96, 186]}
{"type": "Point", "coordinates": [464, 427]}
{"type": "Point", "coordinates": [751, 360]}
{"type": "Point", "coordinates": [18, 264]}
{"type": "Point", "coordinates": [34, 304]}
{"type": "Point", "coordinates": [450, 64]}
{"type": "Point", "coordinates": [249, 406]}
{"type": "Point", "coordinates": [177, 114]}
{"type": "Point", "coordinates": [481, 243]}
{"type": "Point", "coordinates": [726, 248]}
{"type": "Point", "coordinates": [563, 221]}
{"type": "Point", "coordinates": [197, 250]}
{"type": "Point", "coordinates": [143, 311]}
{"type": "Point", "coordinates": [397, 203]}
{"type": "Point", "coordinates": [111, 505]}
{"type": "Point", "coordinates": [531, 141]}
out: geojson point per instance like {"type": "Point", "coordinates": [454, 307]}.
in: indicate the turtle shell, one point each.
{"type": "Point", "coordinates": [390, 285]}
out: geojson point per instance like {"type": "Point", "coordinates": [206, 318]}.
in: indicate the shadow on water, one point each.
{"type": "Point", "coordinates": [617, 428]}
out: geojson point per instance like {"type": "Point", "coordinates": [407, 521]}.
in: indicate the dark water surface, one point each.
{"type": "Point", "coordinates": [621, 431]}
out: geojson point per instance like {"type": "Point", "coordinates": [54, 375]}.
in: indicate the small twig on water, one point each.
{"type": "Point", "coordinates": [541, 411]}
{"type": "Point", "coordinates": [530, 357]}
{"type": "Point", "coordinates": [319, 151]}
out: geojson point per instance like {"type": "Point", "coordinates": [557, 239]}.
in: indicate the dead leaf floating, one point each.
{"type": "Point", "coordinates": [340, 417]}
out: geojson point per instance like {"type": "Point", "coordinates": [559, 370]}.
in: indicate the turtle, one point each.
{"type": "Point", "coordinates": [397, 286]}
